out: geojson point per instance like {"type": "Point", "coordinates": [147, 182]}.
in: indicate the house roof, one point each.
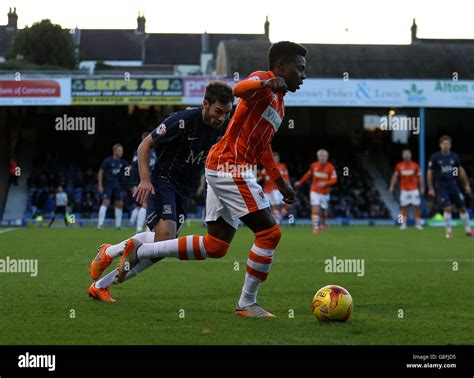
{"type": "Point", "coordinates": [427, 61]}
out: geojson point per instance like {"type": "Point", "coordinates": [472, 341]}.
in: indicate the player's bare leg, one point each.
{"type": "Point", "coordinates": [118, 214]}
{"type": "Point", "coordinates": [404, 219]}
{"type": "Point", "coordinates": [324, 217]}
{"type": "Point", "coordinates": [464, 215]}
{"type": "Point", "coordinates": [448, 220]}
{"type": "Point", "coordinates": [418, 224]}
{"type": "Point", "coordinates": [102, 213]}
{"type": "Point", "coordinates": [315, 218]}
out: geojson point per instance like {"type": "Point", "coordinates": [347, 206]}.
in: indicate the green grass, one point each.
{"type": "Point", "coordinates": [409, 270]}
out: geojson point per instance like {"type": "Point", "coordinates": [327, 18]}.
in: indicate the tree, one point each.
{"type": "Point", "coordinates": [44, 43]}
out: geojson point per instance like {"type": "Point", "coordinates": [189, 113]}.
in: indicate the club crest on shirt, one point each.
{"type": "Point", "coordinates": [161, 129]}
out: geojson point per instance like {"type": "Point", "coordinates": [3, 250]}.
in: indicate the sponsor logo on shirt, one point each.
{"type": "Point", "coordinates": [272, 116]}
{"type": "Point", "coordinates": [320, 175]}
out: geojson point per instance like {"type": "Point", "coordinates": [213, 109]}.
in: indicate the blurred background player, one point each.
{"type": "Point", "coordinates": [444, 169]}
{"type": "Point", "coordinates": [279, 208]}
{"type": "Point", "coordinates": [61, 206]}
{"type": "Point", "coordinates": [109, 179]}
{"type": "Point", "coordinates": [182, 142]}
{"type": "Point", "coordinates": [233, 194]}
{"type": "Point", "coordinates": [138, 215]}
{"type": "Point", "coordinates": [324, 176]}
{"type": "Point", "coordinates": [412, 187]}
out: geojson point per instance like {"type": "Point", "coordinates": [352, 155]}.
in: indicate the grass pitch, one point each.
{"type": "Point", "coordinates": [411, 292]}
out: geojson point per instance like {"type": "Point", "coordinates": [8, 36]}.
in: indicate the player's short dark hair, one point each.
{"type": "Point", "coordinates": [284, 50]}
{"type": "Point", "coordinates": [218, 91]}
{"type": "Point", "coordinates": [115, 146]}
{"type": "Point", "coordinates": [445, 137]}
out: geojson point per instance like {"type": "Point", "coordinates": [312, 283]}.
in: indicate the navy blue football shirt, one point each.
{"type": "Point", "coordinates": [182, 142]}
{"type": "Point", "coordinates": [443, 167]}
{"type": "Point", "coordinates": [113, 170]}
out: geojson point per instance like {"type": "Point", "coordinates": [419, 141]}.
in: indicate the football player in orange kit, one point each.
{"type": "Point", "coordinates": [324, 176]}
{"type": "Point", "coordinates": [279, 208]}
{"type": "Point", "coordinates": [411, 186]}
{"type": "Point", "coordinates": [233, 194]}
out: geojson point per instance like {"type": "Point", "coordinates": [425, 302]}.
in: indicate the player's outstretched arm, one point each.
{"type": "Point", "coordinates": [249, 87]}
{"type": "Point", "coordinates": [100, 176]}
{"type": "Point", "coordinates": [393, 182]}
{"type": "Point", "coordinates": [465, 180]}
{"type": "Point", "coordinates": [303, 179]}
{"type": "Point", "coordinates": [429, 178]}
{"type": "Point", "coordinates": [145, 187]}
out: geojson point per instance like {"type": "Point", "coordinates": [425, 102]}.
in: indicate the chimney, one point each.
{"type": "Point", "coordinates": [12, 19]}
{"type": "Point", "coordinates": [414, 29]}
{"type": "Point", "coordinates": [267, 29]}
{"type": "Point", "coordinates": [206, 55]}
{"type": "Point", "coordinates": [141, 23]}
{"type": "Point", "coordinates": [204, 42]}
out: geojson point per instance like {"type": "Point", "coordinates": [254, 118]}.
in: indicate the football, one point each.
{"type": "Point", "coordinates": [332, 303]}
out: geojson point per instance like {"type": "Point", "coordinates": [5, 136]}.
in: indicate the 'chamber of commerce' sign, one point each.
{"type": "Point", "coordinates": [115, 91]}
{"type": "Point", "coordinates": [35, 92]}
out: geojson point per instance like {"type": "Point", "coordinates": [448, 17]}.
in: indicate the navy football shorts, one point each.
{"type": "Point", "coordinates": [168, 202]}
{"type": "Point", "coordinates": [449, 194]}
{"type": "Point", "coordinates": [112, 192]}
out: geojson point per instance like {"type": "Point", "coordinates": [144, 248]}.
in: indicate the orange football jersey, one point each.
{"type": "Point", "coordinates": [251, 129]}
{"type": "Point", "coordinates": [409, 174]}
{"type": "Point", "coordinates": [321, 173]}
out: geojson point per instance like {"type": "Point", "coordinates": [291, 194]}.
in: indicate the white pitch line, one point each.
{"type": "Point", "coordinates": [293, 261]}
{"type": "Point", "coordinates": [7, 230]}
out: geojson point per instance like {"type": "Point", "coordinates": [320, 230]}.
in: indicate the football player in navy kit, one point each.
{"type": "Point", "coordinates": [109, 180]}
{"type": "Point", "coordinates": [444, 169]}
{"type": "Point", "coordinates": [182, 142]}
{"type": "Point", "coordinates": [138, 215]}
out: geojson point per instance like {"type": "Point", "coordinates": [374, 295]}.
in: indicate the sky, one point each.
{"type": "Point", "coordinates": [303, 21]}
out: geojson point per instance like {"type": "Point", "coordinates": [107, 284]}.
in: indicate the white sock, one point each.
{"type": "Point", "coordinates": [448, 220]}
{"type": "Point", "coordinates": [166, 248]}
{"type": "Point", "coordinates": [466, 220]}
{"type": "Point", "coordinates": [117, 249]}
{"type": "Point", "coordinates": [107, 281]}
{"type": "Point", "coordinates": [102, 212]}
{"type": "Point", "coordinates": [110, 279]}
{"type": "Point", "coordinates": [141, 219]}
{"type": "Point", "coordinates": [133, 216]}
{"type": "Point", "coordinates": [118, 217]}
{"type": "Point", "coordinates": [249, 291]}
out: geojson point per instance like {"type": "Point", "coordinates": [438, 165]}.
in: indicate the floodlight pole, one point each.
{"type": "Point", "coordinates": [421, 142]}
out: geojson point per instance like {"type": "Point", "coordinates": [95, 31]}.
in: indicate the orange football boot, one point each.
{"type": "Point", "coordinates": [102, 295]}
{"type": "Point", "coordinates": [100, 263]}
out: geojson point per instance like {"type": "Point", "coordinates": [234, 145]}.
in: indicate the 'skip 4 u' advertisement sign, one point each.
{"type": "Point", "coordinates": [115, 91]}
